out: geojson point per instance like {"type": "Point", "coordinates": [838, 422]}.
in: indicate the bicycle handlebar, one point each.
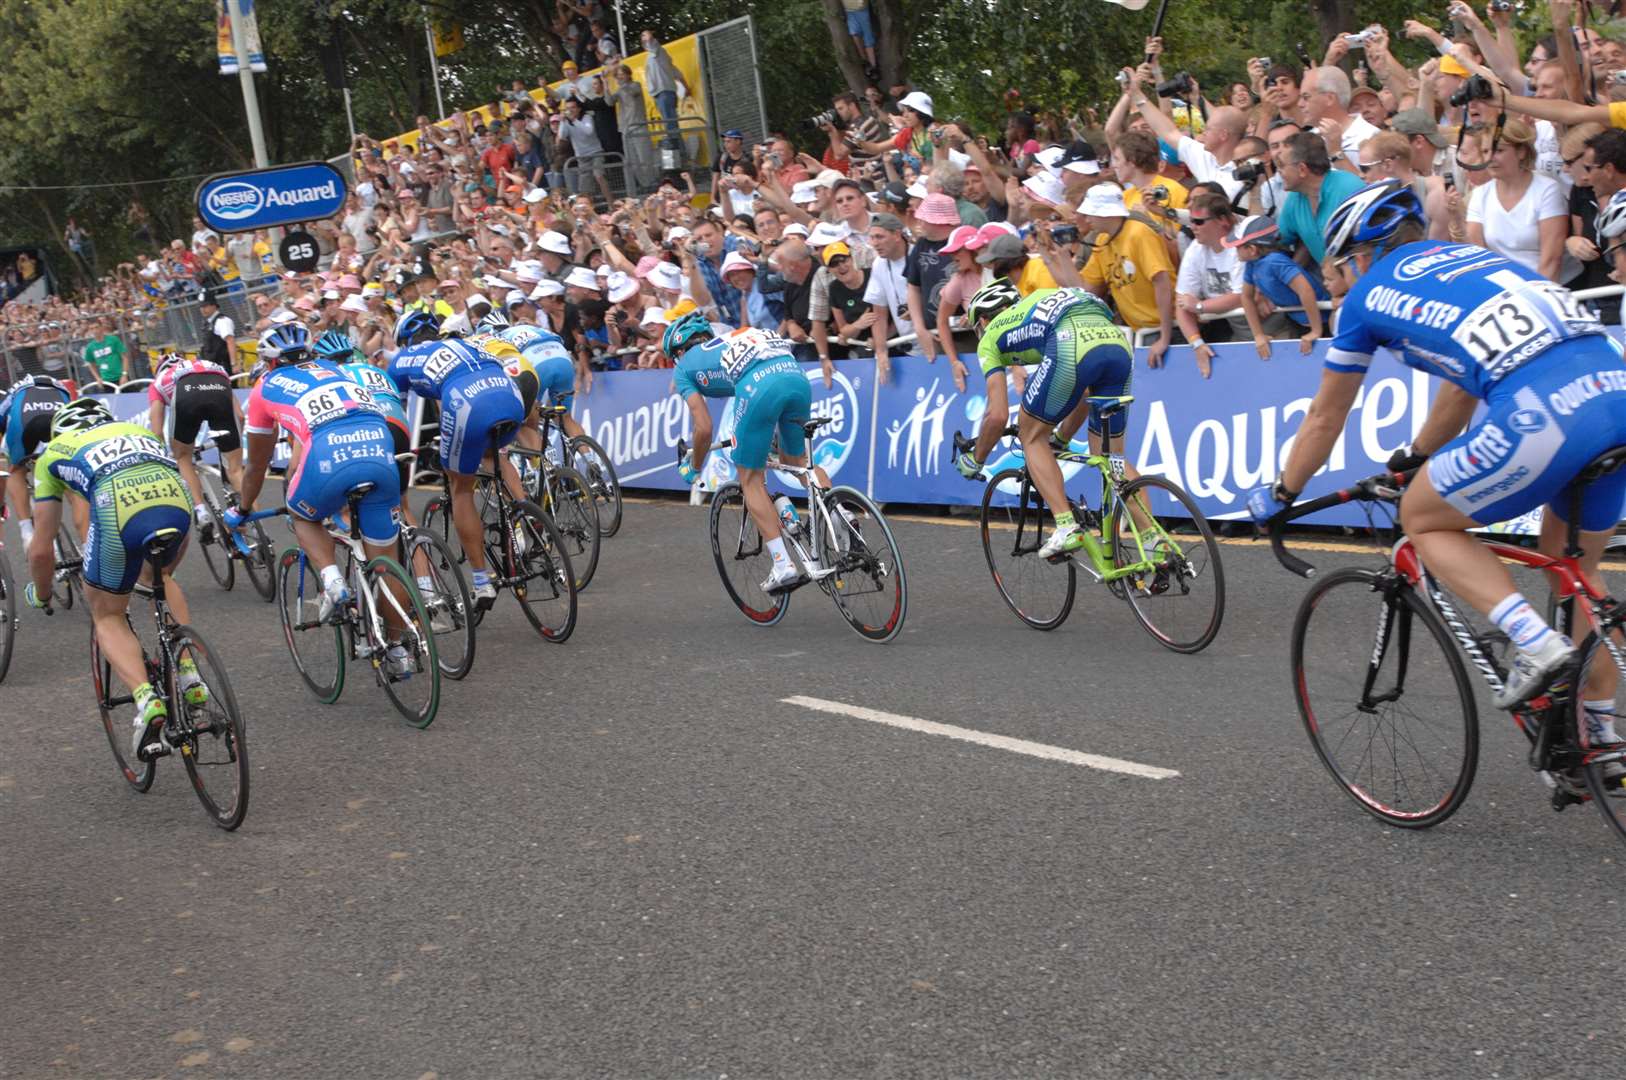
{"type": "Point", "coordinates": [1384, 487]}
{"type": "Point", "coordinates": [258, 515]}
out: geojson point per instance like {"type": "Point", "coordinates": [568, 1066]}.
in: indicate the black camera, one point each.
{"type": "Point", "coordinates": [1064, 234]}
{"type": "Point", "coordinates": [828, 118]}
{"type": "Point", "coordinates": [1501, 5]}
{"type": "Point", "coordinates": [1477, 88]}
{"type": "Point", "coordinates": [1249, 173]}
{"type": "Point", "coordinates": [1175, 87]}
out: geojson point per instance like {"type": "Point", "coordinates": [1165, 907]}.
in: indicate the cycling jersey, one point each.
{"type": "Point", "coordinates": [772, 399]}
{"type": "Point", "coordinates": [134, 490]}
{"type": "Point", "coordinates": [1457, 311]}
{"type": "Point", "coordinates": [163, 387]}
{"type": "Point", "coordinates": [302, 398]}
{"type": "Point", "coordinates": [700, 371]}
{"type": "Point", "coordinates": [474, 392]}
{"type": "Point", "coordinates": [740, 351]}
{"type": "Point", "coordinates": [544, 358]}
{"type": "Point", "coordinates": [1070, 334]}
{"type": "Point", "coordinates": [385, 395]}
{"type": "Point", "coordinates": [426, 368]}
{"type": "Point", "coordinates": [25, 415]}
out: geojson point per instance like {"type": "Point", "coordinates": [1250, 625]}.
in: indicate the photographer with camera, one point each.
{"type": "Point", "coordinates": [1211, 158]}
{"type": "Point", "coordinates": [732, 155]}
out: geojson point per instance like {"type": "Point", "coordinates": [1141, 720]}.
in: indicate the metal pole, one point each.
{"type": "Point", "coordinates": [349, 117]}
{"type": "Point", "coordinates": [434, 70]}
{"type": "Point", "coordinates": [245, 75]}
{"type": "Point", "coordinates": [620, 29]}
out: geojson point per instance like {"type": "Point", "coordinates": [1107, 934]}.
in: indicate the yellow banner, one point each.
{"type": "Point", "coordinates": [448, 38]}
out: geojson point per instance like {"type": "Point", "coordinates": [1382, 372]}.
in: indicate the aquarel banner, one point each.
{"type": "Point", "coordinates": [1217, 437]}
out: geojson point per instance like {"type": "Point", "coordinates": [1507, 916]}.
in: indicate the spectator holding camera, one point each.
{"type": "Point", "coordinates": [1211, 158]}
{"type": "Point", "coordinates": [1131, 264]}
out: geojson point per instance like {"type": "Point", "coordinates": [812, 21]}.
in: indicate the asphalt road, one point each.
{"type": "Point", "coordinates": [626, 857]}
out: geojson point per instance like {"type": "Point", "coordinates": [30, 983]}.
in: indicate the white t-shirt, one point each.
{"type": "Point", "coordinates": [1355, 133]}
{"type": "Point", "coordinates": [223, 327]}
{"type": "Point", "coordinates": [1549, 158]}
{"type": "Point", "coordinates": [1515, 233]}
{"type": "Point", "coordinates": [1204, 273]}
{"type": "Point", "coordinates": [1205, 166]}
{"type": "Point", "coordinates": [888, 286]}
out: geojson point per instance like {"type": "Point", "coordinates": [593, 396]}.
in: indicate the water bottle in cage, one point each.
{"type": "Point", "coordinates": [787, 514]}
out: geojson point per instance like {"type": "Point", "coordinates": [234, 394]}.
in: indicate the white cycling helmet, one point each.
{"type": "Point", "coordinates": [1611, 222]}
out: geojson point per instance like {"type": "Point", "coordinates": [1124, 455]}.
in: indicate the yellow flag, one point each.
{"type": "Point", "coordinates": [448, 38]}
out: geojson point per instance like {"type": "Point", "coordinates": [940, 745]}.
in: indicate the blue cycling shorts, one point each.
{"type": "Point", "coordinates": [470, 406]}
{"type": "Point", "coordinates": [28, 421]}
{"type": "Point", "coordinates": [341, 457]}
{"type": "Point", "coordinates": [126, 509]}
{"type": "Point", "coordinates": [772, 398]}
{"type": "Point", "coordinates": [1544, 424]}
{"type": "Point", "coordinates": [1080, 356]}
{"type": "Point", "coordinates": [558, 378]}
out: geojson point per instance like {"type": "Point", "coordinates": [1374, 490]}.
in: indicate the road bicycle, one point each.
{"type": "Point", "coordinates": [1384, 694]}
{"type": "Point", "coordinates": [220, 554]}
{"type": "Point", "coordinates": [210, 738]}
{"type": "Point", "coordinates": [446, 597]}
{"type": "Point", "coordinates": [1148, 543]}
{"type": "Point", "coordinates": [564, 494]}
{"type": "Point", "coordinates": [67, 582]}
{"type": "Point", "coordinates": [524, 551]}
{"type": "Point", "coordinates": [8, 609]}
{"type": "Point", "coordinates": [385, 610]}
{"type": "Point", "coordinates": [584, 454]}
{"type": "Point", "coordinates": [842, 542]}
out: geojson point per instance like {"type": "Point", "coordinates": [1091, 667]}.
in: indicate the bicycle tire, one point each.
{"type": "Point", "coordinates": [437, 518]}
{"type": "Point", "coordinates": [863, 550]}
{"type": "Point", "coordinates": [224, 738]}
{"type": "Point", "coordinates": [1020, 529]}
{"type": "Point", "coordinates": [1175, 577]}
{"type": "Point", "coordinates": [575, 514]}
{"type": "Point", "coordinates": [1423, 710]}
{"type": "Point", "coordinates": [591, 460]}
{"type": "Point", "coordinates": [1608, 793]}
{"type": "Point", "coordinates": [449, 594]}
{"type": "Point", "coordinates": [222, 567]}
{"type": "Point", "coordinates": [299, 585]}
{"type": "Point", "coordinates": [260, 564]}
{"type": "Point", "coordinates": [415, 635]}
{"type": "Point", "coordinates": [140, 774]}
{"type": "Point", "coordinates": [546, 589]}
{"type": "Point", "coordinates": [8, 615]}
{"type": "Point", "coordinates": [731, 528]}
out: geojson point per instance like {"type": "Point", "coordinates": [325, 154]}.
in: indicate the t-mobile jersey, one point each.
{"type": "Point", "coordinates": [163, 387]}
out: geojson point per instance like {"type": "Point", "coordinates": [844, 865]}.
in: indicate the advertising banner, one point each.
{"type": "Point", "coordinates": [251, 38]}
{"type": "Point", "coordinates": [265, 198]}
{"type": "Point", "coordinates": [1218, 437]}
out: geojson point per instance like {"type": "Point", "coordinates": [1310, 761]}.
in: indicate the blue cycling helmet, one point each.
{"type": "Point", "coordinates": [1371, 216]}
{"type": "Point", "coordinates": [335, 345]}
{"type": "Point", "coordinates": [690, 329]}
{"type": "Point", "coordinates": [416, 326]}
{"type": "Point", "coordinates": [285, 343]}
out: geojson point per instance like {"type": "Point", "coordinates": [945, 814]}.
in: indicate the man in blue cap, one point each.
{"type": "Point", "coordinates": [733, 154]}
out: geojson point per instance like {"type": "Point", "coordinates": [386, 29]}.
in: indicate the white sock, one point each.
{"type": "Point", "coordinates": [1518, 620]}
{"type": "Point", "coordinates": [1600, 717]}
{"type": "Point", "coordinates": [426, 584]}
{"type": "Point", "coordinates": [776, 548]}
{"type": "Point", "coordinates": [26, 526]}
{"type": "Point", "coordinates": [331, 577]}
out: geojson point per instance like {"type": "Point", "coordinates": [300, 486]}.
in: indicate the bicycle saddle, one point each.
{"type": "Point", "coordinates": [1603, 464]}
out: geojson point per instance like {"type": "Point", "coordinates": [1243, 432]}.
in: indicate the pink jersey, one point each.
{"type": "Point", "coordinates": [301, 398]}
{"type": "Point", "coordinates": [163, 387]}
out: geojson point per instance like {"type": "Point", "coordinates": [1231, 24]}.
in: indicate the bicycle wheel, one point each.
{"type": "Point", "coordinates": [260, 564]}
{"type": "Point", "coordinates": [742, 558]}
{"type": "Point", "coordinates": [546, 585]}
{"type": "Point", "coordinates": [210, 737]}
{"type": "Point", "coordinates": [437, 518]}
{"type": "Point", "coordinates": [1385, 698]}
{"type": "Point", "coordinates": [1599, 678]}
{"type": "Point", "coordinates": [590, 459]}
{"type": "Point", "coordinates": [118, 725]}
{"type": "Point", "coordinates": [392, 613]}
{"type": "Point", "coordinates": [8, 615]}
{"type": "Point", "coordinates": [571, 505]}
{"type": "Point", "coordinates": [212, 543]}
{"type": "Point", "coordinates": [1182, 601]}
{"type": "Point", "coordinates": [1037, 591]}
{"type": "Point", "coordinates": [317, 649]}
{"type": "Point", "coordinates": [446, 598]}
{"type": "Point", "coordinates": [868, 585]}
{"type": "Point", "coordinates": [66, 584]}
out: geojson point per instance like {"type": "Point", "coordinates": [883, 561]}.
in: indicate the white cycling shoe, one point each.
{"type": "Point", "coordinates": [783, 579]}
{"type": "Point", "coordinates": [334, 597]}
{"type": "Point", "coordinates": [1062, 542]}
{"type": "Point", "coordinates": [1531, 672]}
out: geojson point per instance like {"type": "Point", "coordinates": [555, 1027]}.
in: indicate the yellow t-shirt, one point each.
{"type": "Point", "coordinates": [1178, 195]}
{"type": "Point", "coordinates": [1617, 114]}
{"type": "Point", "coordinates": [1035, 275]}
{"type": "Point", "coordinates": [1126, 265]}
{"type": "Point", "coordinates": [680, 309]}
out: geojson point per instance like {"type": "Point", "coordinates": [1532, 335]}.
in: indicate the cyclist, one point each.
{"type": "Point", "coordinates": [1070, 334]}
{"type": "Point", "coordinates": [1555, 391]}
{"type": "Point", "coordinates": [551, 365]}
{"type": "Point", "coordinates": [134, 487]}
{"type": "Point", "coordinates": [340, 441]}
{"type": "Point", "coordinates": [480, 412]}
{"type": "Point", "coordinates": [26, 410]}
{"type": "Point", "coordinates": [185, 395]}
{"type": "Point", "coordinates": [335, 348]}
{"type": "Point", "coordinates": [772, 397]}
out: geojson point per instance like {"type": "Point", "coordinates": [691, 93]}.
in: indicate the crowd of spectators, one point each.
{"type": "Point", "coordinates": [1199, 220]}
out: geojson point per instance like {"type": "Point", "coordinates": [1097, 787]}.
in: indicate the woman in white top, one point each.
{"type": "Point", "coordinates": [1520, 214]}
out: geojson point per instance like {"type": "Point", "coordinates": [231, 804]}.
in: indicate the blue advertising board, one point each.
{"type": "Point", "coordinates": [266, 198]}
{"type": "Point", "coordinates": [1217, 437]}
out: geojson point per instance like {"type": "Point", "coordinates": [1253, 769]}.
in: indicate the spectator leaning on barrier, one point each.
{"type": "Point", "coordinates": [105, 354]}
{"type": "Point", "coordinates": [888, 289]}
{"type": "Point", "coordinates": [929, 269]}
{"type": "Point", "coordinates": [1520, 214]}
{"type": "Point", "coordinates": [1271, 280]}
{"type": "Point", "coordinates": [794, 262]}
{"type": "Point", "coordinates": [1130, 263]}
{"type": "Point", "coordinates": [1210, 278]}
{"type": "Point", "coordinates": [1314, 191]}
{"type": "Point", "coordinates": [842, 308]}
{"type": "Point", "coordinates": [1388, 155]}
